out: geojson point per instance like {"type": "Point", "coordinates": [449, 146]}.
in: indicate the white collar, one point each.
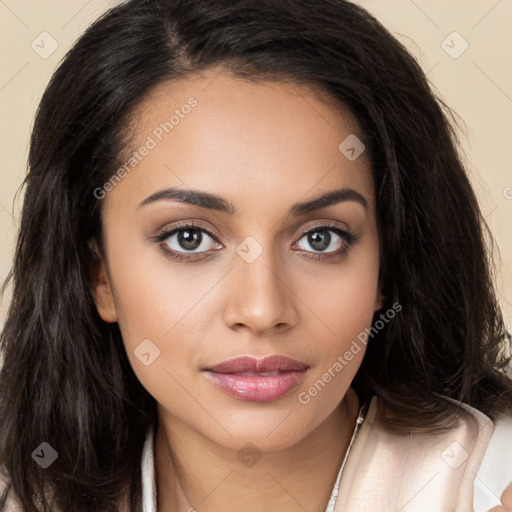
{"type": "Point", "coordinates": [148, 474]}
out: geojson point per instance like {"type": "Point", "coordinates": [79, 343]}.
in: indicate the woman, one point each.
{"type": "Point", "coordinates": [251, 273]}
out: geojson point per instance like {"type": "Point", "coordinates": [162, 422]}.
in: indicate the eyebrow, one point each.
{"type": "Point", "coordinates": [217, 203]}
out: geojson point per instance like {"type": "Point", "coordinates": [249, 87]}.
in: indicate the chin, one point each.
{"type": "Point", "coordinates": [267, 432]}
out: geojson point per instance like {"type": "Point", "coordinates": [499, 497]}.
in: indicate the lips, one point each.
{"type": "Point", "coordinates": [257, 380]}
{"type": "Point", "coordinates": [258, 366]}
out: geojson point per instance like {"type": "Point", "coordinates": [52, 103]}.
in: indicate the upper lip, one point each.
{"type": "Point", "coordinates": [255, 365]}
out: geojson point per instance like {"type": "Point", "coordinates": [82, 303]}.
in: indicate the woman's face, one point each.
{"type": "Point", "coordinates": [258, 274]}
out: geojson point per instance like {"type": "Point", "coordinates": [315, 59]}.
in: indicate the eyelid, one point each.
{"type": "Point", "coordinates": [323, 225]}
{"type": "Point", "coordinates": [168, 231]}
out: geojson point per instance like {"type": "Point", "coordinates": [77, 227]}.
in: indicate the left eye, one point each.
{"type": "Point", "coordinates": [324, 239]}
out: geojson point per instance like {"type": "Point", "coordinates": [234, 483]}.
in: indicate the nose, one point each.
{"type": "Point", "coordinates": [259, 296]}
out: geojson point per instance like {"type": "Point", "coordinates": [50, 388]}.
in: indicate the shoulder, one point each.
{"type": "Point", "coordinates": [492, 475]}
{"type": "Point", "coordinates": [493, 482]}
{"type": "Point", "coordinates": [418, 470]}
{"type": "Point", "coordinates": [492, 472]}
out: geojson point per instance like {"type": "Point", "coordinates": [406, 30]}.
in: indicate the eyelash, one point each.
{"type": "Point", "coordinates": [349, 240]}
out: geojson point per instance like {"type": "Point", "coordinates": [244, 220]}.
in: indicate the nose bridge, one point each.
{"type": "Point", "coordinates": [260, 297]}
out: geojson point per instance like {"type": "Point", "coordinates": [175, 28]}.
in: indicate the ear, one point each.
{"type": "Point", "coordinates": [101, 289]}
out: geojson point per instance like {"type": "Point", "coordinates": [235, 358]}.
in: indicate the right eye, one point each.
{"type": "Point", "coordinates": [187, 239]}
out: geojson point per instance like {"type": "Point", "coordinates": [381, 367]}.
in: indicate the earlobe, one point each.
{"type": "Point", "coordinates": [102, 291]}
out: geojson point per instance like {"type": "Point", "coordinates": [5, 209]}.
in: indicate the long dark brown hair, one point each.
{"type": "Point", "coordinates": [66, 379]}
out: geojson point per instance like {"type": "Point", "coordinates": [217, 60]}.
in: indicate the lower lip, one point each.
{"type": "Point", "coordinates": [257, 389]}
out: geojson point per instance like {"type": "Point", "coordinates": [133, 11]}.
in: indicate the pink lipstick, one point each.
{"type": "Point", "coordinates": [257, 380]}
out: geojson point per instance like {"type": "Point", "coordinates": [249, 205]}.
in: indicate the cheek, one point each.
{"type": "Point", "coordinates": [151, 292]}
{"type": "Point", "coordinates": [344, 315]}
{"type": "Point", "coordinates": [344, 297]}
{"type": "Point", "coordinates": [342, 304]}
{"type": "Point", "coordinates": [156, 315]}
{"type": "Point", "coordinates": [162, 309]}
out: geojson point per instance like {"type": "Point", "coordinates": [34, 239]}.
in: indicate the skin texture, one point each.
{"type": "Point", "coordinates": [263, 147]}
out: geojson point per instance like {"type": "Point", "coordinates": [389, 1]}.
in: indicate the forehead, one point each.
{"type": "Point", "coordinates": [228, 135]}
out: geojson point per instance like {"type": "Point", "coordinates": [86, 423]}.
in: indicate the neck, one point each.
{"type": "Point", "coordinates": [192, 472]}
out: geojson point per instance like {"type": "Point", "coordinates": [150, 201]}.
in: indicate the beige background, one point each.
{"type": "Point", "coordinates": [477, 84]}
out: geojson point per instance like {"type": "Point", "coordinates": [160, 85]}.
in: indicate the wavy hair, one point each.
{"type": "Point", "coordinates": [66, 378]}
